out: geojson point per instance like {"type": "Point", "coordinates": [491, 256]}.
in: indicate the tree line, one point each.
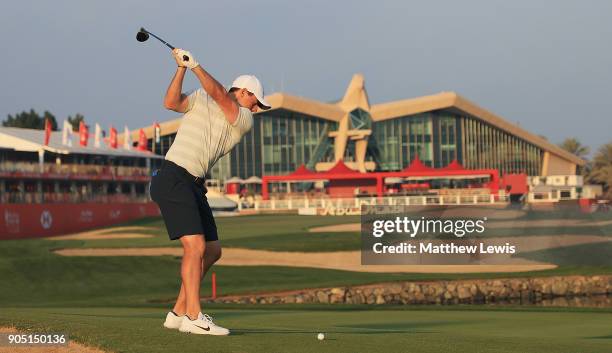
{"type": "Point", "coordinates": [597, 170]}
{"type": "Point", "coordinates": [33, 120]}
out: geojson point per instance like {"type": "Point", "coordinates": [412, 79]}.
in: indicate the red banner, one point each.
{"type": "Point", "coordinates": [142, 140]}
{"type": "Point", "coordinates": [43, 220]}
{"type": "Point", "coordinates": [113, 137]}
{"type": "Point", "coordinates": [83, 133]}
{"type": "Point", "coordinates": [47, 131]}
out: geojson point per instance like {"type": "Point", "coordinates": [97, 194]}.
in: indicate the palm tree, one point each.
{"type": "Point", "coordinates": [601, 172]}
{"type": "Point", "coordinates": [572, 145]}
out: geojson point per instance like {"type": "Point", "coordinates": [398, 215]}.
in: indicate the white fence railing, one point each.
{"type": "Point", "coordinates": [294, 204]}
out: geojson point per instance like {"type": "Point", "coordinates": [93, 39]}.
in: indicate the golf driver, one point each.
{"type": "Point", "coordinates": [143, 35]}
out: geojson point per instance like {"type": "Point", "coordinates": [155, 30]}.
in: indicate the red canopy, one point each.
{"type": "Point", "coordinates": [302, 170]}
{"type": "Point", "coordinates": [340, 168]}
{"type": "Point", "coordinates": [417, 166]}
{"type": "Point", "coordinates": [454, 165]}
{"type": "Point", "coordinates": [416, 170]}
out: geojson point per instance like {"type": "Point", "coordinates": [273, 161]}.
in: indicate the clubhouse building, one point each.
{"type": "Point", "coordinates": [434, 130]}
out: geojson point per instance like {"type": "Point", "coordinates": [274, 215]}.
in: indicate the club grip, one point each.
{"type": "Point", "coordinates": [185, 57]}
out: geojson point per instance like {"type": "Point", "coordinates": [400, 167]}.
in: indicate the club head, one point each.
{"type": "Point", "coordinates": [142, 35]}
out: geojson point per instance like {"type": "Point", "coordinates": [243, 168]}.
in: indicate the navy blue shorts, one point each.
{"type": "Point", "coordinates": [182, 203]}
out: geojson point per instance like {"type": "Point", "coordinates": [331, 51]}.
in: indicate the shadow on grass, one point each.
{"type": "Point", "coordinates": [609, 337]}
{"type": "Point", "coordinates": [241, 332]}
{"type": "Point", "coordinates": [364, 329]}
{"type": "Point", "coordinates": [162, 314]}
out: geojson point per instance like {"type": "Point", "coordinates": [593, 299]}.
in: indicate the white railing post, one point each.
{"type": "Point", "coordinates": [475, 198]}
{"type": "Point", "coordinates": [273, 204]}
{"type": "Point", "coordinates": [289, 204]}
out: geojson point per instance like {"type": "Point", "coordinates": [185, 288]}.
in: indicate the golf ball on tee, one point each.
{"type": "Point", "coordinates": [320, 337]}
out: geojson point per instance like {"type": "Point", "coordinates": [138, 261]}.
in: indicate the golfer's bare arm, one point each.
{"type": "Point", "coordinates": [218, 93]}
{"type": "Point", "coordinates": [175, 99]}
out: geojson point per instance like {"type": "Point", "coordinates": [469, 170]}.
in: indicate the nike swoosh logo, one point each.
{"type": "Point", "coordinates": [203, 328]}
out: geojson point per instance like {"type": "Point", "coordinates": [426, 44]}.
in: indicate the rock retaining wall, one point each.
{"type": "Point", "coordinates": [562, 289]}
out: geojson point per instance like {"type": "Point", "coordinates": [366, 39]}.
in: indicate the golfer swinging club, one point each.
{"type": "Point", "coordinates": [214, 120]}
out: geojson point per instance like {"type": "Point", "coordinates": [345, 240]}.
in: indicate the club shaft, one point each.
{"type": "Point", "coordinates": [186, 58]}
{"type": "Point", "coordinates": [161, 40]}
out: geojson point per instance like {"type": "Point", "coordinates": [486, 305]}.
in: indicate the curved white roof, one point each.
{"type": "Point", "coordinates": [32, 140]}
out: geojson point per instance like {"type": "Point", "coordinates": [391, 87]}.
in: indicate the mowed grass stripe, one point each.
{"type": "Point", "coordinates": [270, 330]}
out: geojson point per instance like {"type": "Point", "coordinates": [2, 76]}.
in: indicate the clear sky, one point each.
{"type": "Point", "coordinates": [545, 65]}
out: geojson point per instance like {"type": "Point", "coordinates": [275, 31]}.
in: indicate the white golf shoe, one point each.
{"type": "Point", "coordinates": [203, 325]}
{"type": "Point", "coordinates": [173, 321]}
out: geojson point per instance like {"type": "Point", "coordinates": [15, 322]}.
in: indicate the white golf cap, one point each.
{"type": "Point", "coordinates": [252, 84]}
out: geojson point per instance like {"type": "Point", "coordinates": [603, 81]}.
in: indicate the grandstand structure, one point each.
{"type": "Point", "coordinates": [32, 172]}
{"type": "Point", "coordinates": [58, 187]}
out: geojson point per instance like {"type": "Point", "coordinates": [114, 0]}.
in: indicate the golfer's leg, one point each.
{"type": "Point", "coordinates": [191, 272]}
{"type": "Point", "coordinates": [181, 304]}
{"type": "Point", "coordinates": [211, 255]}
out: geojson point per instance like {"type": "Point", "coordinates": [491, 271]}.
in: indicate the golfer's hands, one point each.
{"type": "Point", "coordinates": [180, 55]}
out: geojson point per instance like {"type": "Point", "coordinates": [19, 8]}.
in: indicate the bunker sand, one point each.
{"type": "Point", "coordinates": [351, 260]}
{"type": "Point", "coordinates": [340, 260]}
{"type": "Point", "coordinates": [108, 233]}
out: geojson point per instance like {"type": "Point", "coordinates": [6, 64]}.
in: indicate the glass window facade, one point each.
{"type": "Point", "coordinates": [400, 140]}
{"type": "Point", "coordinates": [280, 141]}
{"type": "Point", "coordinates": [163, 146]}
{"type": "Point", "coordinates": [440, 137]}
{"type": "Point", "coordinates": [485, 146]}
{"type": "Point", "coordinates": [446, 151]}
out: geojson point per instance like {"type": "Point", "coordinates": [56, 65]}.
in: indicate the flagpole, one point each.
{"type": "Point", "coordinates": [153, 138]}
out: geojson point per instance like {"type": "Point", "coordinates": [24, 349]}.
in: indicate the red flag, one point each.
{"type": "Point", "coordinates": [113, 137]}
{"type": "Point", "coordinates": [47, 131]}
{"type": "Point", "coordinates": [83, 133]}
{"type": "Point", "coordinates": [142, 140]}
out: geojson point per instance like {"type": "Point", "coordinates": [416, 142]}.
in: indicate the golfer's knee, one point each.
{"type": "Point", "coordinates": [195, 246]}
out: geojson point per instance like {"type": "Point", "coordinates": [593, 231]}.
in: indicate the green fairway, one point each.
{"type": "Point", "coordinates": [290, 232]}
{"type": "Point", "coordinates": [266, 232]}
{"type": "Point", "coordinates": [266, 329]}
{"type": "Point", "coordinates": [597, 254]}
{"type": "Point", "coordinates": [119, 303]}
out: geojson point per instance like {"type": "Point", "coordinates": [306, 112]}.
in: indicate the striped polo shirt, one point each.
{"type": "Point", "coordinates": [205, 135]}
